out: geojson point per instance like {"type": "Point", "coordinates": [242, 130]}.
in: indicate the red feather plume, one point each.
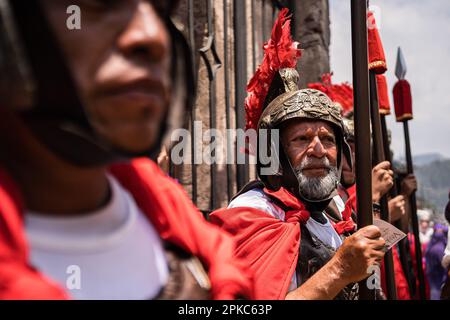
{"type": "Point", "coordinates": [279, 52]}
{"type": "Point", "coordinates": [340, 93]}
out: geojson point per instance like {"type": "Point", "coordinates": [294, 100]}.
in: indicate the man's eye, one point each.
{"type": "Point", "coordinates": [162, 7]}
{"type": "Point", "coordinates": [329, 139]}
{"type": "Point", "coordinates": [301, 138]}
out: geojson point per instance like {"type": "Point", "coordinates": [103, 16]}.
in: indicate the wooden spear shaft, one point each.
{"type": "Point", "coordinates": [403, 245]}
{"type": "Point", "coordinates": [414, 219]}
{"type": "Point", "coordinates": [362, 124]}
{"type": "Point", "coordinates": [379, 156]}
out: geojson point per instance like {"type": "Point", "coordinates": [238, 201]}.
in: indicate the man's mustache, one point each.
{"type": "Point", "coordinates": [313, 163]}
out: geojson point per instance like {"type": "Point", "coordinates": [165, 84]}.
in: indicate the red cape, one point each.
{"type": "Point", "coordinates": [401, 283]}
{"type": "Point", "coordinates": [414, 264]}
{"type": "Point", "coordinates": [268, 245]}
{"type": "Point", "coordinates": [165, 204]}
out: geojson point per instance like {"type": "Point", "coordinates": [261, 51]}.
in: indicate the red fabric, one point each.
{"type": "Point", "coordinates": [167, 207]}
{"type": "Point", "coordinates": [403, 100]}
{"type": "Point", "coordinates": [383, 95]}
{"type": "Point", "coordinates": [400, 278]}
{"type": "Point", "coordinates": [352, 197]}
{"type": "Point", "coordinates": [268, 245]}
{"type": "Point", "coordinates": [289, 200]}
{"type": "Point", "coordinates": [377, 58]}
{"type": "Point", "coordinates": [279, 52]}
{"type": "Point", "coordinates": [414, 263]}
{"type": "Point", "coordinates": [401, 283]}
{"type": "Point", "coordinates": [347, 225]}
{"type": "Point", "coordinates": [339, 93]}
{"type": "Point", "coordinates": [17, 279]}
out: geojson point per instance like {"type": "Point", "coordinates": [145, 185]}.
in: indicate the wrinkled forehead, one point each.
{"type": "Point", "coordinates": [298, 125]}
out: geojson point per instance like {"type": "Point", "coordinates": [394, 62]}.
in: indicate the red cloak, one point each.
{"type": "Point", "coordinates": [268, 245]}
{"type": "Point", "coordinates": [165, 204]}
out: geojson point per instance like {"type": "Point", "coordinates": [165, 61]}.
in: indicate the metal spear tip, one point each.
{"type": "Point", "coordinates": [400, 67]}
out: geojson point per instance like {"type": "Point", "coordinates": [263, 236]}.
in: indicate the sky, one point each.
{"type": "Point", "coordinates": [422, 30]}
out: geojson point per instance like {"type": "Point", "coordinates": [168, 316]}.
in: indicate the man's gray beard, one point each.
{"type": "Point", "coordinates": [317, 188]}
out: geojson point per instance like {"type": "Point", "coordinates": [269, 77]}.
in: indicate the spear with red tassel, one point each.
{"type": "Point", "coordinates": [377, 67]}
{"type": "Point", "coordinates": [403, 113]}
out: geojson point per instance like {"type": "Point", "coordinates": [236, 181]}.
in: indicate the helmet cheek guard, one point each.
{"type": "Point", "coordinates": [17, 86]}
{"type": "Point", "coordinates": [41, 89]}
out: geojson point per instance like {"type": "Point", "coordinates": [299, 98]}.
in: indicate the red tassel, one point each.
{"type": "Point", "coordinates": [279, 52]}
{"type": "Point", "coordinates": [383, 96]}
{"type": "Point", "coordinates": [377, 58]}
{"type": "Point", "coordinates": [403, 101]}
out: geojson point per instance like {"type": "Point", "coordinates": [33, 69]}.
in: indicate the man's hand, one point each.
{"type": "Point", "coordinates": [163, 160]}
{"type": "Point", "coordinates": [409, 185]}
{"type": "Point", "coordinates": [358, 252]}
{"type": "Point", "coordinates": [382, 180]}
{"type": "Point", "coordinates": [350, 264]}
{"type": "Point", "coordinates": [396, 208]}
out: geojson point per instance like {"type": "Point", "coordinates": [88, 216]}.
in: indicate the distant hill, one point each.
{"type": "Point", "coordinates": [424, 159]}
{"type": "Point", "coordinates": [434, 182]}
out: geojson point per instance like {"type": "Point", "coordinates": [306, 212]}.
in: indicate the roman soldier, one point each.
{"type": "Point", "coordinates": [294, 248]}
{"type": "Point", "coordinates": [84, 212]}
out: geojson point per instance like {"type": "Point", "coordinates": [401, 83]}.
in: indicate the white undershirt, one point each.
{"type": "Point", "coordinates": [326, 233]}
{"type": "Point", "coordinates": [115, 252]}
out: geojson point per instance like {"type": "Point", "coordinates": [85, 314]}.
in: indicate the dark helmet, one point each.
{"type": "Point", "coordinates": [36, 82]}
{"type": "Point", "coordinates": [349, 127]}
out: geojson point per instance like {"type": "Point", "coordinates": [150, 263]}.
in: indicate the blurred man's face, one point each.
{"type": "Point", "coordinates": [424, 225]}
{"type": "Point", "coordinates": [120, 60]}
{"type": "Point", "coordinates": [348, 174]}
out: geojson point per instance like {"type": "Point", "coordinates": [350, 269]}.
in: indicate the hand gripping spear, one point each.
{"type": "Point", "coordinates": [377, 66]}
{"type": "Point", "coordinates": [362, 124]}
{"type": "Point", "coordinates": [403, 112]}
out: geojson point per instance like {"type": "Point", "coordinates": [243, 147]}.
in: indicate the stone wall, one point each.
{"type": "Point", "coordinates": [312, 25]}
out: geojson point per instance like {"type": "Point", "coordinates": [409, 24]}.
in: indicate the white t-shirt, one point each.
{"type": "Point", "coordinates": [112, 253]}
{"type": "Point", "coordinates": [256, 198]}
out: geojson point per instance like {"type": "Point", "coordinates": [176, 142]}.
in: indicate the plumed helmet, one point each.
{"type": "Point", "coordinates": [291, 103]}
{"type": "Point", "coordinates": [274, 98]}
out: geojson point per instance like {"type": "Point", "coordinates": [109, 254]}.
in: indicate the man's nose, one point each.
{"type": "Point", "coordinates": [146, 34]}
{"type": "Point", "coordinates": [316, 148]}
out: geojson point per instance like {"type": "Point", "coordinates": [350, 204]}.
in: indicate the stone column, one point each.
{"type": "Point", "coordinates": [312, 27]}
